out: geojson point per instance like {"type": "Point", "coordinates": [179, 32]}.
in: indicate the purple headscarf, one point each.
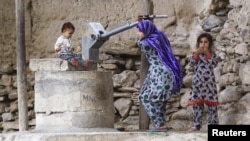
{"type": "Point", "coordinates": [159, 41]}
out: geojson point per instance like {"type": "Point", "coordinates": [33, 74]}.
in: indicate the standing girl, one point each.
{"type": "Point", "coordinates": [64, 48]}
{"type": "Point", "coordinates": [164, 76]}
{"type": "Point", "coordinates": [203, 90]}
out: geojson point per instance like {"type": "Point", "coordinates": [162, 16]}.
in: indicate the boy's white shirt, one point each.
{"type": "Point", "coordinates": [65, 45]}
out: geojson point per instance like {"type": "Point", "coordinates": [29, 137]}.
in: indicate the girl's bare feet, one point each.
{"type": "Point", "coordinates": [75, 62]}
{"type": "Point", "coordinates": [194, 128]}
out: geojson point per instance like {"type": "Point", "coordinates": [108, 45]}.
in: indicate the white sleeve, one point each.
{"type": "Point", "coordinates": [58, 43]}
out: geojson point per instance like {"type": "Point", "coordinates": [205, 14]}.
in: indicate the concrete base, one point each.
{"type": "Point", "coordinates": [101, 135]}
{"type": "Point", "coordinates": [71, 97]}
{"type": "Point", "coordinates": [67, 99]}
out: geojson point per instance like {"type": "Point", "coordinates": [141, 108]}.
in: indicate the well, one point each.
{"type": "Point", "coordinates": [67, 98]}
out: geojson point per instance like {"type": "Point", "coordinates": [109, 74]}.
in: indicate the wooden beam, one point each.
{"type": "Point", "coordinates": [21, 66]}
{"type": "Point", "coordinates": [144, 120]}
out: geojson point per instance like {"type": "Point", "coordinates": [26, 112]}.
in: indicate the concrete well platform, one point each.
{"type": "Point", "coordinates": [56, 64]}
{"type": "Point", "coordinates": [67, 98]}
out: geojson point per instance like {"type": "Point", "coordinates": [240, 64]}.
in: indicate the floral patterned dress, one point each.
{"type": "Point", "coordinates": [203, 90]}
{"type": "Point", "coordinates": [159, 81]}
{"type": "Point", "coordinates": [157, 86]}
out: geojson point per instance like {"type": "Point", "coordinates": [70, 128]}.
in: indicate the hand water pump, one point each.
{"type": "Point", "coordinates": [96, 36]}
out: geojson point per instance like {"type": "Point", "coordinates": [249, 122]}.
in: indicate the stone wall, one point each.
{"type": "Point", "coordinates": [226, 20]}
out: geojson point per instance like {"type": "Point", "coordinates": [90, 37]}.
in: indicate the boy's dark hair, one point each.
{"type": "Point", "coordinates": [67, 25]}
{"type": "Point", "coordinates": [209, 37]}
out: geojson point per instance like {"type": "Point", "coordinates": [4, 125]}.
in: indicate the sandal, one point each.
{"type": "Point", "coordinates": [157, 129]}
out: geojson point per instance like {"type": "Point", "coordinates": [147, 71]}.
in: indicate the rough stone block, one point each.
{"type": "Point", "coordinates": [244, 73]}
